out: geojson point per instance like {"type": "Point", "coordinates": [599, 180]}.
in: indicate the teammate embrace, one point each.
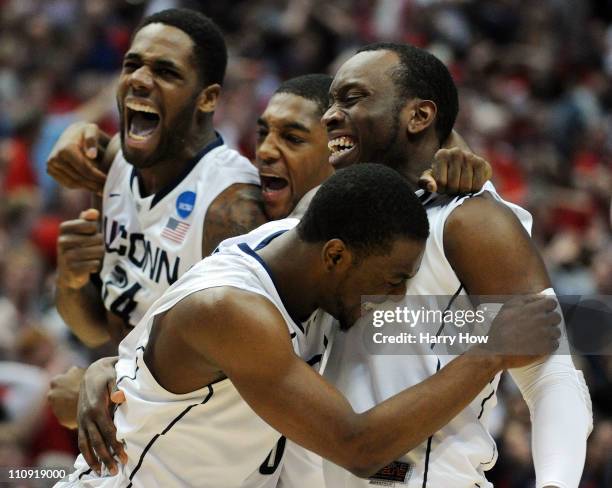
{"type": "Point", "coordinates": [219, 366]}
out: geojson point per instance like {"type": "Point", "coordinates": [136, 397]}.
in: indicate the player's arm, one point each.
{"type": "Point", "coordinates": [81, 157]}
{"type": "Point", "coordinates": [485, 232]}
{"type": "Point", "coordinates": [237, 210]}
{"type": "Point", "coordinates": [80, 251]}
{"type": "Point", "coordinates": [492, 254]}
{"type": "Point", "coordinates": [246, 337]}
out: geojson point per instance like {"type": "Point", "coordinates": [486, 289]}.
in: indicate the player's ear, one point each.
{"type": "Point", "coordinates": [336, 256]}
{"type": "Point", "coordinates": [208, 97]}
{"type": "Point", "coordinates": [419, 115]}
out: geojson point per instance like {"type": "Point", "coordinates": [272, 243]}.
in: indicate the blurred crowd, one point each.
{"type": "Point", "coordinates": [535, 82]}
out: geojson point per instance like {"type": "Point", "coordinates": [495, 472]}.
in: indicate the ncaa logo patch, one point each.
{"type": "Point", "coordinates": [185, 203]}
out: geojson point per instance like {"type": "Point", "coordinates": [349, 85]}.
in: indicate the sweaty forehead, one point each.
{"type": "Point", "coordinates": [287, 108]}
{"type": "Point", "coordinates": [163, 41]}
{"type": "Point", "coordinates": [367, 68]}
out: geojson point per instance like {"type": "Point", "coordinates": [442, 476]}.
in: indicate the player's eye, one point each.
{"type": "Point", "coordinates": [167, 73]}
{"type": "Point", "coordinates": [294, 139]}
{"type": "Point", "coordinates": [130, 66]}
{"type": "Point", "coordinates": [352, 98]}
{"type": "Point", "coordinates": [397, 282]}
{"type": "Point", "coordinates": [261, 134]}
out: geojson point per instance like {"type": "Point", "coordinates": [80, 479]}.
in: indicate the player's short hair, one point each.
{"type": "Point", "coordinates": [313, 87]}
{"type": "Point", "coordinates": [420, 74]}
{"type": "Point", "coordinates": [367, 206]}
{"type": "Point", "coordinates": [209, 49]}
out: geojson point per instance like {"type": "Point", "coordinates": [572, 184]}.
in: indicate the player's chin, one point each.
{"type": "Point", "coordinates": [277, 204]}
{"type": "Point", "coordinates": [137, 158]}
{"type": "Point", "coordinates": [140, 156]}
{"type": "Point", "coordinates": [276, 212]}
{"type": "Point", "coordinates": [345, 158]}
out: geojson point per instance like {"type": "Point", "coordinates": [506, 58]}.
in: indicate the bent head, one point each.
{"type": "Point", "coordinates": [372, 229]}
{"type": "Point", "coordinates": [383, 100]}
{"type": "Point", "coordinates": [169, 85]}
{"type": "Point", "coordinates": [291, 153]}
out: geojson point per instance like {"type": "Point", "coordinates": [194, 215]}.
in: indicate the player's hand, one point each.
{"type": "Point", "coordinates": [80, 250]}
{"type": "Point", "coordinates": [455, 171]}
{"type": "Point", "coordinates": [73, 161]}
{"type": "Point", "coordinates": [525, 330]}
{"type": "Point", "coordinates": [97, 433]}
{"type": "Point", "coordinates": [63, 396]}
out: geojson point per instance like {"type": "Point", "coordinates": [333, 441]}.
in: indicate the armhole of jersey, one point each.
{"type": "Point", "coordinates": [441, 223]}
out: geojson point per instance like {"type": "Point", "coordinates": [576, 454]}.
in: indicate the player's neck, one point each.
{"type": "Point", "coordinates": [164, 172]}
{"type": "Point", "coordinates": [289, 260]}
{"type": "Point", "coordinates": [419, 157]}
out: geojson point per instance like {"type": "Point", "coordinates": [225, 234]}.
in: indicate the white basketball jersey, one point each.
{"type": "Point", "coordinates": [208, 438]}
{"type": "Point", "coordinates": [459, 453]}
{"type": "Point", "coordinates": [151, 241]}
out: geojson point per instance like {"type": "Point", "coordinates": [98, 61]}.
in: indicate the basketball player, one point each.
{"type": "Point", "coordinates": [171, 184]}
{"type": "Point", "coordinates": [396, 103]}
{"type": "Point", "coordinates": [213, 375]}
{"type": "Point", "coordinates": [173, 172]}
{"type": "Point", "coordinates": [292, 157]}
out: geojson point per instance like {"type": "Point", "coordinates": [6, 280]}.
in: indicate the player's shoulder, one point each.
{"type": "Point", "coordinates": [481, 210]}
{"type": "Point", "coordinates": [227, 166]}
{"type": "Point", "coordinates": [227, 303]}
{"type": "Point", "coordinates": [228, 157]}
{"type": "Point", "coordinates": [485, 222]}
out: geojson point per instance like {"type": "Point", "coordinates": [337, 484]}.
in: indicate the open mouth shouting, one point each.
{"type": "Point", "coordinates": [341, 149]}
{"type": "Point", "coordinates": [273, 188]}
{"type": "Point", "coordinates": [142, 125]}
{"type": "Point", "coordinates": [276, 194]}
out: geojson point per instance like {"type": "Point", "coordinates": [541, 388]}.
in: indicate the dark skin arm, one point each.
{"type": "Point", "coordinates": [237, 210]}
{"type": "Point", "coordinates": [80, 250]}
{"type": "Point", "coordinates": [487, 232]}
{"type": "Point", "coordinates": [80, 253]}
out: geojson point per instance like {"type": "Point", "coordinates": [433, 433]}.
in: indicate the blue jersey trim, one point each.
{"type": "Point", "coordinates": [244, 247]}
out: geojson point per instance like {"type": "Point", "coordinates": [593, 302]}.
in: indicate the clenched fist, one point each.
{"type": "Point", "coordinates": [80, 250]}
{"type": "Point", "coordinates": [454, 171]}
